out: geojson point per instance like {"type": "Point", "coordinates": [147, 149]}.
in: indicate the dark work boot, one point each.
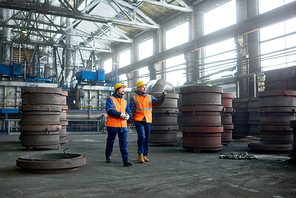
{"type": "Point", "coordinates": [108, 159]}
{"type": "Point", "coordinates": [127, 163]}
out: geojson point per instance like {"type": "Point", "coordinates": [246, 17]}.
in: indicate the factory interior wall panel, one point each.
{"type": "Point", "coordinates": [281, 79]}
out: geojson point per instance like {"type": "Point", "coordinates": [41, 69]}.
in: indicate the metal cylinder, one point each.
{"type": "Point", "coordinates": [165, 121]}
{"type": "Point", "coordinates": [63, 118]}
{"type": "Point", "coordinates": [40, 124]}
{"type": "Point", "coordinates": [293, 152]}
{"type": "Point", "coordinates": [201, 109]}
{"type": "Point", "coordinates": [226, 118]}
{"type": "Point", "coordinates": [277, 108]}
{"type": "Point", "coordinates": [240, 118]}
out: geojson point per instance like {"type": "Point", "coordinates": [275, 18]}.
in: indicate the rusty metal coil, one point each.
{"type": "Point", "coordinates": [40, 139]}
{"type": "Point", "coordinates": [277, 98]}
{"type": "Point", "coordinates": [171, 100]}
{"type": "Point", "coordinates": [293, 152]}
{"type": "Point", "coordinates": [227, 100]}
{"type": "Point", "coordinates": [40, 118]}
{"type": "Point", "coordinates": [41, 99]}
{"type": "Point", "coordinates": [201, 95]}
{"type": "Point", "coordinates": [163, 137]}
{"type": "Point", "coordinates": [202, 141]}
{"type": "Point", "coordinates": [201, 119]}
{"type": "Point", "coordinates": [40, 128]}
{"type": "Point", "coordinates": [63, 98]}
{"type": "Point", "coordinates": [226, 137]}
{"type": "Point", "coordinates": [44, 108]}
{"type": "Point", "coordinates": [240, 103]}
{"type": "Point", "coordinates": [164, 119]}
{"type": "Point", "coordinates": [47, 90]}
{"type": "Point", "coordinates": [226, 119]}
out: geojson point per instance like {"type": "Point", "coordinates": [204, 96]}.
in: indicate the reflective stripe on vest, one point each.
{"type": "Point", "coordinates": [143, 108]}
{"type": "Point", "coordinates": [149, 104]}
{"type": "Point", "coordinates": [120, 107]}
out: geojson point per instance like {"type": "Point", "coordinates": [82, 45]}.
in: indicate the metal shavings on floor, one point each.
{"type": "Point", "coordinates": [236, 156]}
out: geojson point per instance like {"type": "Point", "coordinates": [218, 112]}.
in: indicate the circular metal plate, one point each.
{"type": "Point", "coordinates": [30, 90]}
{"type": "Point", "coordinates": [202, 129]}
{"type": "Point", "coordinates": [45, 108]}
{"type": "Point", "coordinates": [51, 161]}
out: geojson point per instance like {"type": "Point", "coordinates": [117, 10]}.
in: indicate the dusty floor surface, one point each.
{"type": "Point", "coordinates": [171, 172]}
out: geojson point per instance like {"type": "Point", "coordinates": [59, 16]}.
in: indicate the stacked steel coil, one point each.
{"type": "Point", "coordinates": [40, 122]}
{"type": "Point", "coordinates": [240, 118]}
{"type": "Point", "coordinates": [201, 109]}
{"type": "Point", "coordinates": [226, 118]}
{"type": "Point", "coordinates": [293, 152]}
{"type": "Point", "coordinates": [254, 116]}
{"type": "Point", "coordinates": [276, 110]}
{"type": "Point", "coordinates": [63, 118]}
{"type": "Point", "coordinates": [165, 124]}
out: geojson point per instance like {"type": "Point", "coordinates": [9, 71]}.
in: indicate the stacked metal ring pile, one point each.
{"type": "Point", "coordinates": [240, 118]}
{"type": "Point", "coordinates": [254, 116]}
{"type": "Point", "coordinates": [165, 124]}
{"type": "Point", "coordinates": [40, 122]}
{"type": "Point", "coordinates": [201, 109]}
{"type": "Point", "coordinates": [277, 109]}
{"type": "Point", "coordinates": [226, 118]}
{"type": "Point", "coordinates": [63, 118]}
{"type": "Point", "coordinates": [293, 152]}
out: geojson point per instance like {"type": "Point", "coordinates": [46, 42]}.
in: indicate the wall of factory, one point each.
{"type": "Point", "coordinates": [247, 9]}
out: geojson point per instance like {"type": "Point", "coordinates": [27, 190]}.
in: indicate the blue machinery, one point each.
{"type": "Point", "coordinates": [16, 71]}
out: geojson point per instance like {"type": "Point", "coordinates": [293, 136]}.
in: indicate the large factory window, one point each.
{"type": "Point", "coordinates": [146, 49]}
{"type": "Point", "coordinates": [267, 5]}
{"type": "Point", "coordinates": [220, 60]}
{"type": "Point", "coordinates": [220, 17]}
{"type": "Point", "coordinates": [277, 42]}
{"type": "Point", "coordinates": [124, 58]}
{"type": "Point", "coordinates": [175, 70]}
{"type": "Point", "coordinates": [144, 74]}
{"type": "Point", "coordinates": [108, 65]}
{"type": "Point", "coordinates": [123, 79]}
{"type": "Point", "coordinates": [177, 36]}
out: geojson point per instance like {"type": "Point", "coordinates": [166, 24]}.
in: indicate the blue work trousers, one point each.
{"type": "Point", "coordinates": [123, 145]}
{"type": "Point", "coordinates": [143, 130]}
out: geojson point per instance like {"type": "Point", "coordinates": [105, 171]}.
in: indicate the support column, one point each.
{"type": "Point", "coordinates": [242, 52]}
{"type": "Point", "coordinates": [6, 32]}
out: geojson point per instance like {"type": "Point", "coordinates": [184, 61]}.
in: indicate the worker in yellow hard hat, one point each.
{"type": "Point", "coordinates": [118, 112]}
{"type": "Point", "coordinates": [141, 107]}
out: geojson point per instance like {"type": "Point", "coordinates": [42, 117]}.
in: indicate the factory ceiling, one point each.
{"type": "Point", "coordinates": [85, 24]}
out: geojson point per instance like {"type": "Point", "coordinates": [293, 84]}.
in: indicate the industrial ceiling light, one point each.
{"type": "Point", "coordinates": [24, 31]}
{"type": "Point", "coordinates": [109, 23]}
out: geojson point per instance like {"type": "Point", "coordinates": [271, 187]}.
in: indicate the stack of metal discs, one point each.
{"type": "Point", "coordinates": [240, 118]}
{"type": "Point", "coordinates": [40, 122]}
{"type": "Point", "coordinates": [201, 109]}
{"type": "Point", "coordinates": [63, 118]}
{"type": "Point", "coordinates": [277, 108]}
{"type": "Point", "coordinates": [165, 124]}
{"type": "Point", "coordinates": [226, 118]}
{"type": "Point", "coordinates": [254, 116]}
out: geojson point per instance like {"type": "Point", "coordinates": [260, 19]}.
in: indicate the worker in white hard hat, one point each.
{"type": "Point", "coordinates": [141, 107]}
{"type": "Point", "coordinates": [118, 112]}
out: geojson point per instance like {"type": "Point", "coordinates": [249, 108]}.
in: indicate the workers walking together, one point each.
{"type": "Point", "coordinates": [118, 112]}
{"type": "Point", "coordinates": [141, 107]}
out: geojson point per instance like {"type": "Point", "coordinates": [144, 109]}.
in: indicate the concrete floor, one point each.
{"type": "Point", "coordinates": [171, 172]}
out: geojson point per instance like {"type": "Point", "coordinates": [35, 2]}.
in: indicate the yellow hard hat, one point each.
{"type": "Point", "coordinates": [140, 83]}
{"type": "Point", "coordinates": [119, 85]}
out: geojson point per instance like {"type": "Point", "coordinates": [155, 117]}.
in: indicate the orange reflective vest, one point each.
{"type": "Point", "coordinates": [119, 104]}
{"type": "Point", "coordinates": [143, 108]}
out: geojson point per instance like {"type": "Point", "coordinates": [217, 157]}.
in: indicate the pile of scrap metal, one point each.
{"type": "Point", "coordinates": [236, 156]}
